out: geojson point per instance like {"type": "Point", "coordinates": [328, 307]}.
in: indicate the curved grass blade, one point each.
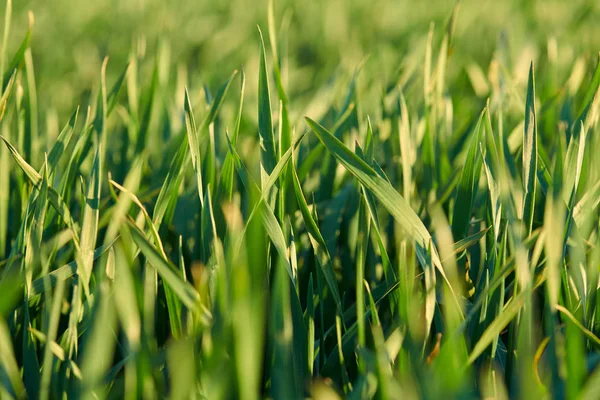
{"type": "Point", "coordinates": [193, 141]}
{"type": "Point", "coordinates": [18, 57]}
{"type": "Point", "coordinates": [55, 199]}
{"type": "Point", "coordinates": [265, 211]}
{"type": "Point", "coordinates": [186, 292]}
{"type": "Point", "coordinates": [498, 325]}
{"type": "Point", "coordinates": [62, 142]}
{"type": "Point", "coordinates": [318, 243]}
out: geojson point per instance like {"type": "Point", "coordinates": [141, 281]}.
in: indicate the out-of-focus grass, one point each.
{"type": "Point", "coordinates": [358, 199]}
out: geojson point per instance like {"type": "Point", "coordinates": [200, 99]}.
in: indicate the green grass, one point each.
{"type": "Point", "coordinates": [340, 214]}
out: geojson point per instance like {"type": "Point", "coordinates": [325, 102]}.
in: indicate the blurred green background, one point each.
{"type": "Point", "coordinates": [72, 37]}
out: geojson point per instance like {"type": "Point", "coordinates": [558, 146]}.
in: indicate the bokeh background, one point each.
{"type": "Point", "coordinates": [324, 38]}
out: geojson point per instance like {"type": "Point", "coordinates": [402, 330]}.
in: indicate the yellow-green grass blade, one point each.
{"type": "Point", "coordinates": [265, 122]}
{"type": "Point", "coordinates": [530, 154]}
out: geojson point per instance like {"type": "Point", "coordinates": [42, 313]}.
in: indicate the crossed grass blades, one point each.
{"type": "Point", "coordinates": [172, 242]}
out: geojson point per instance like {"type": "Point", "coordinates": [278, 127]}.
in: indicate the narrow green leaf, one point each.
{"type": "Point", "coordinates": [467, 186]}
{"type": "Point", "coordinates": [530, 154]}
{"type": "Point", "coordinates": [318, 243]}
{"type": "Point", "coordinates": [186, 292]}
{"type": "Point", "coordinates": [89, 227]}
{"type": "Point", "coordinates": [62, 142]}
{"type": "Point", "coordinates": [265, 123]}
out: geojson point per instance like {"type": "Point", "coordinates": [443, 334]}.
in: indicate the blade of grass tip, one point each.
{"type": "Point", "coordinates": [225, 189]}
{"type": "Point", "coordinates": [209, 161]}
{"type": "Point", "coordinates": [6, 94]}
{"type": "Point", "coordinates": [17, 59]}
{"type": "Point", "coordinates": [131, 183]}
{"type": "Point", "coordinates": [113, 96]}
{"type": "Point", "coordinates": [142, 134]}
{"type": "Point", "coordinates": [170, 189]}
{"type": "Point", "coordinates": [265, 122]}
{"type": "Point", "coordinates": [33, 102]}
{"type": "Point", "coordinates": [193, 141]}
{"type": "Point", "coordinates": [591, 100]}
{"type": "Point", "coordinates": [275, 175]}
{"type": "Point", "coordinates": [89, 227]}
{"type": "Point", "coordinates": [530, 154]}
{"type": "Point", "coordinates": [265, 211]}
{"type": "Point", "coordinates": [62, 142]}
{"type": "Point", "coordinates": [467, 242]}
{"type": "Point", "coordinates": [388, 196]}
{"type": "Point", "coordinates": [218, 102]}
{"type": "Point", "coordinates": [55, 199]}
{"type": "Point", "coordinates": [275, 52]}
{"type": "Point", "coordinates": [101, 105]}
{"type": "Point", "coordinates": [467, 186]}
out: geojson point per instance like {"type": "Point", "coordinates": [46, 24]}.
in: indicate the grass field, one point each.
{"type": "Point", "coordinates": [345, 199]}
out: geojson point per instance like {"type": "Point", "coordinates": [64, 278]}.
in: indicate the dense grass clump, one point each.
{"type": "Point", "coordinates": [421, 225]}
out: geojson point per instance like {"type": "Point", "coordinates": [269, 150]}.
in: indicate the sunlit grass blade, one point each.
{"type": "Point", "coordinates": [265, 122]}
{"type": "Point", "coordinates": [188, 295]}
{"type": "Point", "coordinates": [511, 309]}
{"type": "Point", "coordinates": [17, 59]}
{"type": "Point", "coordinates": [35, 179]}
{"type": "Point", "coordinates": [89, 226]}
{"type": "Point", "coordinates": [225, 189]}
{"type": "Point", "coordinates": [530, 154]}
{"type": "Point", "coordinates": [62, 142]}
